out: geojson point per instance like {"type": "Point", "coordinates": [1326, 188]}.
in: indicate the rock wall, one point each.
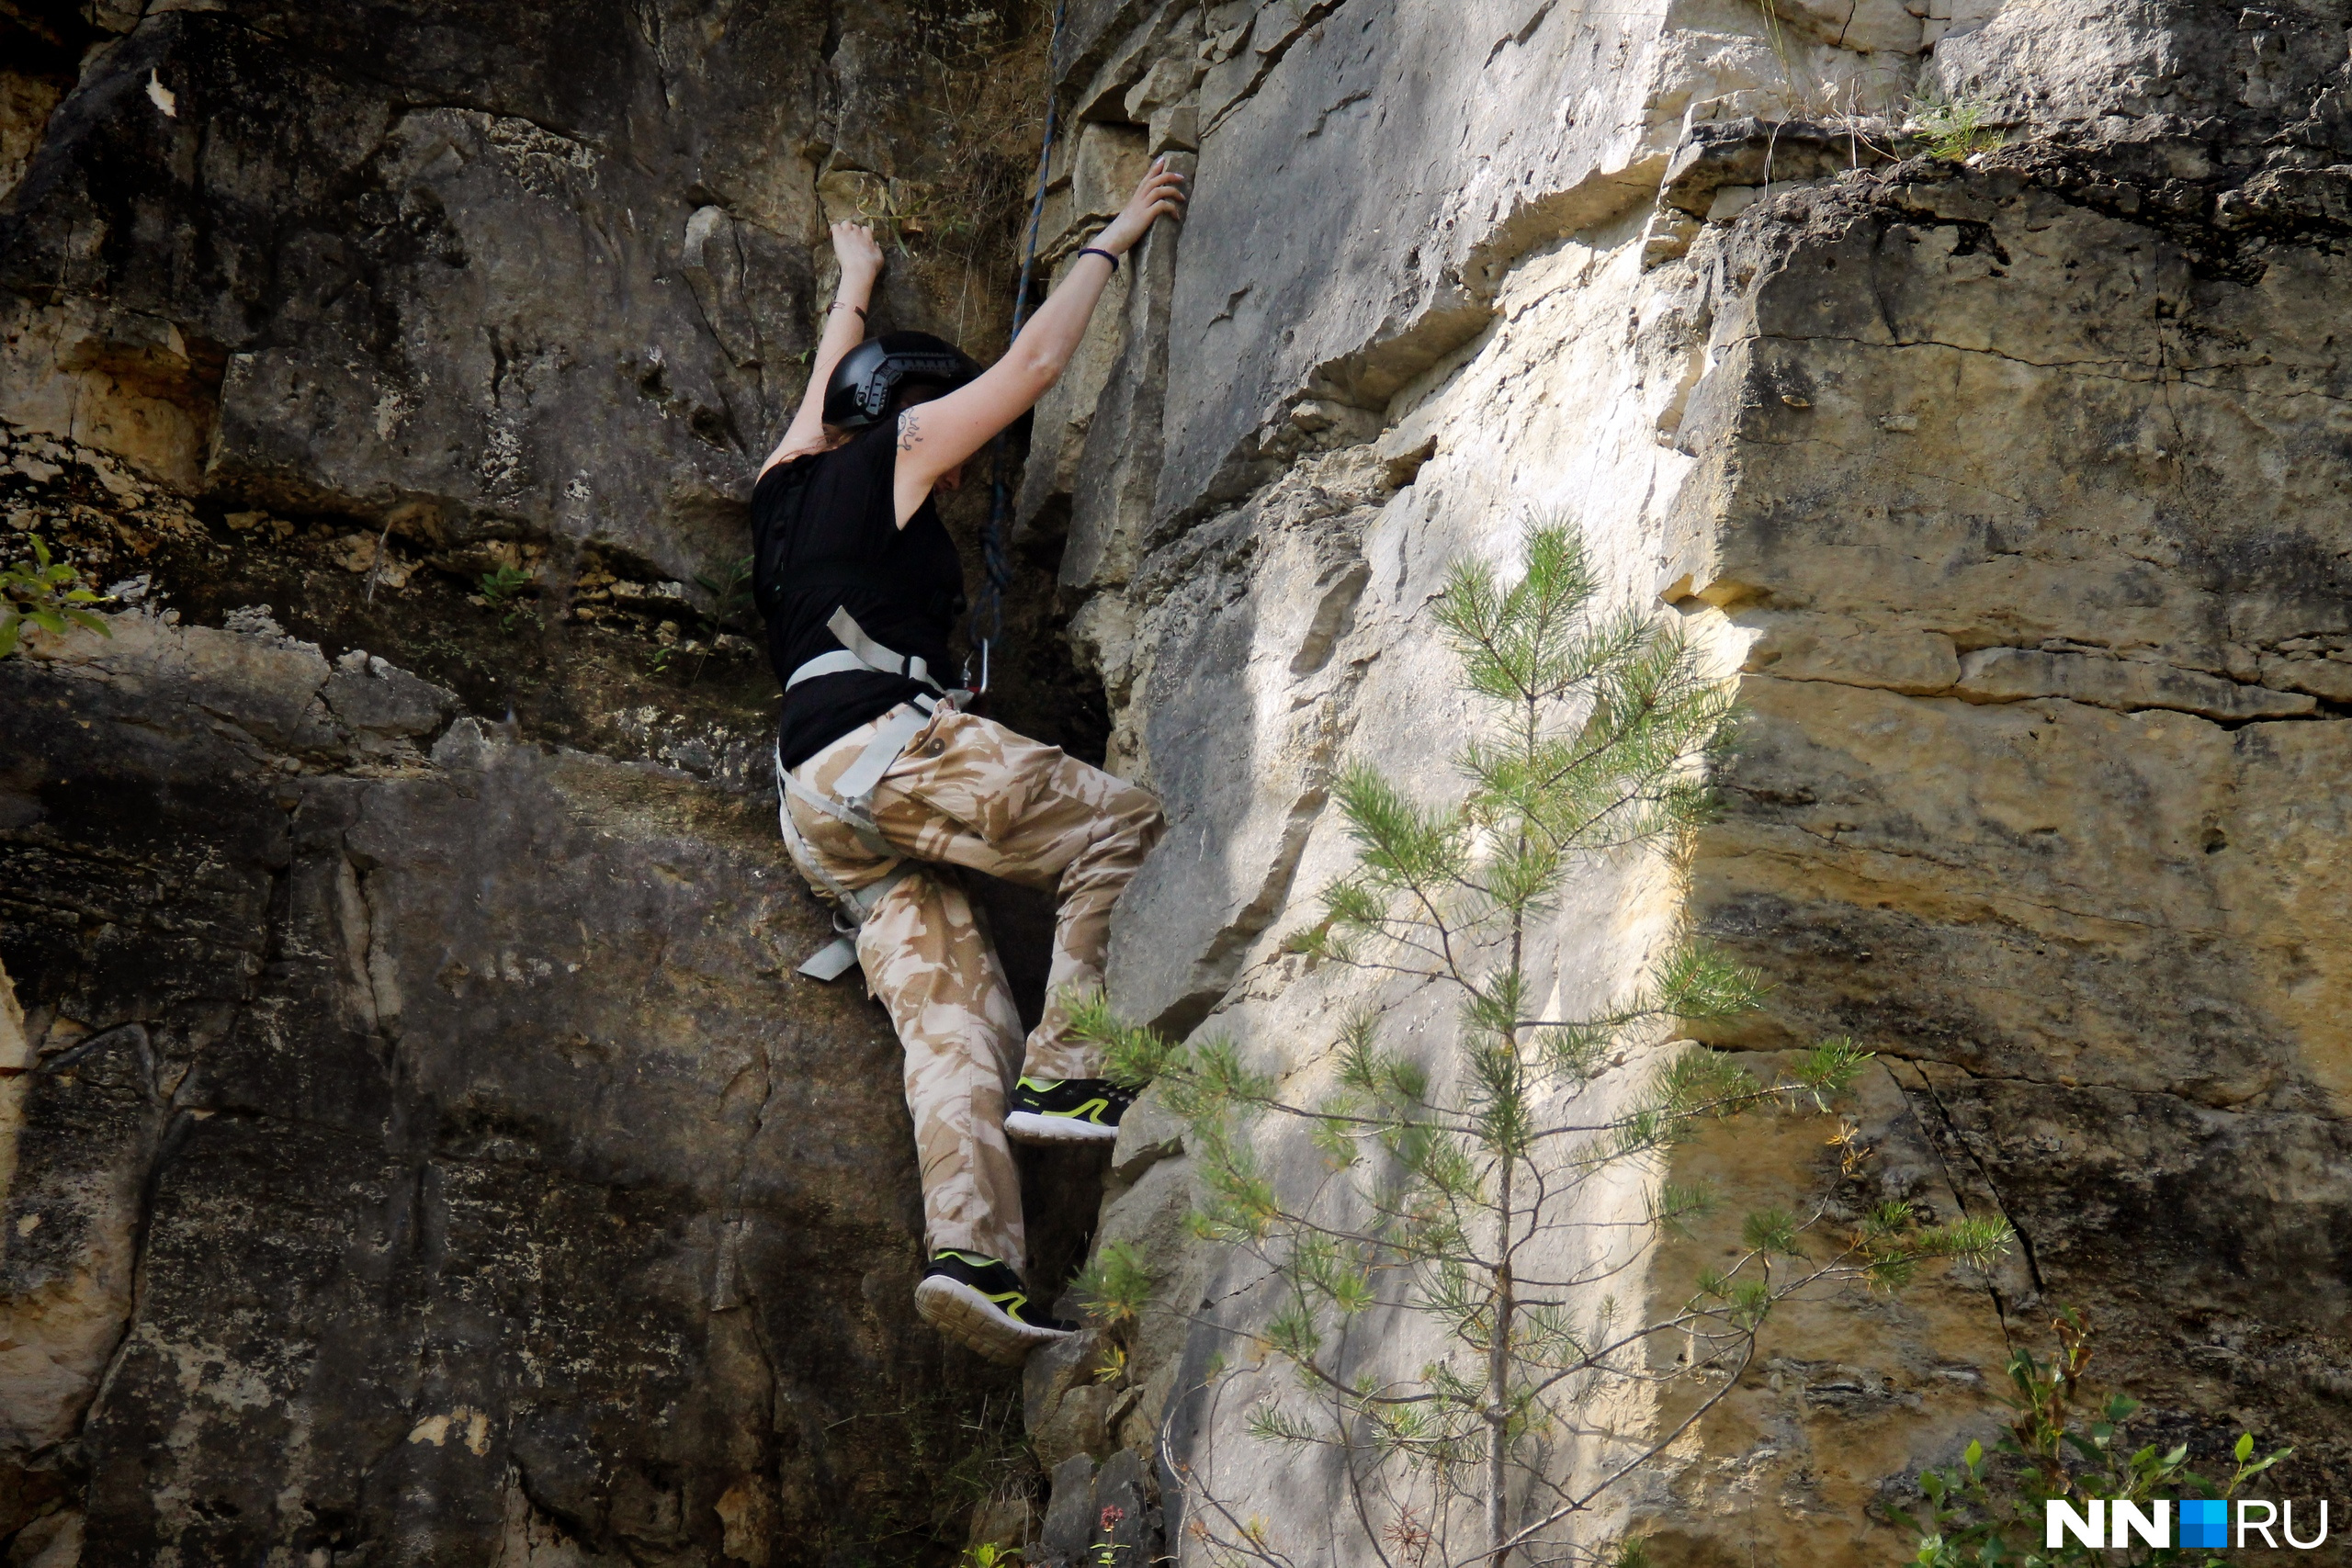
{"type": "Point", "coordinates": [417, 1148]}
{"type": "Point", "coordinates": [443, 1123]}
{"type": "Point", "coordinates": [2010, 482]}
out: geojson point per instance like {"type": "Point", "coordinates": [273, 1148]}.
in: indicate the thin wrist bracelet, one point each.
{"type": "Point", "coordinates": [838, 303]}
{"type": "Point", "coordinates": [1099, 250]}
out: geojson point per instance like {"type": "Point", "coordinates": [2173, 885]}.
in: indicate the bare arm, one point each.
{"type": "Point", "coordinates": [860, 261]}
{"type": "Point", "coordinates": [935, 437]}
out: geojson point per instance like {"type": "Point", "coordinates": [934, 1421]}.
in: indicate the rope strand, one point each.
{"type": "Point", "coordinates": [995, 564]}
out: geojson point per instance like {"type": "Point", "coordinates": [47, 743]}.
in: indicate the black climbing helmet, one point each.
{"type": "Point", "coordinates": [866, 383]}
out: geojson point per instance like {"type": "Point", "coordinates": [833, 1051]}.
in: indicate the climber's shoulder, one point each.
{"type": "Point", "coordinates": [832, 501]}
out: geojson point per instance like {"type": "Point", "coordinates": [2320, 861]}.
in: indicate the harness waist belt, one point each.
{"type": "Point", "coordinates": [859, 651]}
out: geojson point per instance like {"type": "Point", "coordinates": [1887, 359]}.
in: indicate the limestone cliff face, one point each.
{"type": "Point", "coordinates": [416, 1145]}
{"type": "Point", "coordinates": [2013, 489]}
{"type": "Point", "coordinates": [372, 1197]}
{"type": "Point", "coordinates": [419, 1150]}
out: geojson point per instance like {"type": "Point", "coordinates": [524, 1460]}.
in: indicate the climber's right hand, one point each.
{"type": "Point", "coordinates": [1161, 195]}
{"type": "Point", "coordinates": [855, 248]}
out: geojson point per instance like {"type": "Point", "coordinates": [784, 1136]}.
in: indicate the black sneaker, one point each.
{"type": "Point", "coordinates": [1067, 1111]}
{"type": "Point", "coordinates": [981, 1303]}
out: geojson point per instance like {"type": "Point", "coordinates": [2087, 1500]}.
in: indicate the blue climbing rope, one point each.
{"type": "Point", "coordinates": [996, 565]}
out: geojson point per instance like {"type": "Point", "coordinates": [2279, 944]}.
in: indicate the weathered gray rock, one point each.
{"type": "Point", "coordinates": [2059, 59]}
{"type": "Point", "coordinates": [1228, 696]}
{"type": "Point", "coordinates": [2007, 674]}
{"type": "Point", "coordinates": [1069, 1521]}
{"type": "Point", "coordinates": [1753, 154]}
{"type": "Point", "coordinates": [2070, 890]}
{"type": "Point", "coordinates": [470, 270]}
{"type": "Point", "coordinates": [384, 704]}
{"type": "Point", "coordinates": [484, 1166]}
{"type": "Point", "coordinates": [2011, 489]}
{"type": "Point", "coordinates": [90, 1120]}
{"type": "Point", "coordinates": [1111, 471]}
{"type": "Point", "coordinates": [1149, 1133]}
{"type": "Point", "coordinates": [1341, 240]}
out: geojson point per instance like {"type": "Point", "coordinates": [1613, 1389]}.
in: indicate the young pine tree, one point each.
{"type": "Point", "coordinates": [1477, 1191]}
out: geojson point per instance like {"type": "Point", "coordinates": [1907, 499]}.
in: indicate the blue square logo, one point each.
{"type": "Point", "coordinates": [2204, 1521]}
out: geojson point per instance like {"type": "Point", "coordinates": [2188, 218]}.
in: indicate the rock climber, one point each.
{"type": "Point", "coordinates": [891, 791]}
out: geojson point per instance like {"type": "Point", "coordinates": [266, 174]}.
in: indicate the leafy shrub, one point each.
{"type": "Point", "coordinates": [1988, 1511]}
{"type": "Point", "coordinates": [49, 594]}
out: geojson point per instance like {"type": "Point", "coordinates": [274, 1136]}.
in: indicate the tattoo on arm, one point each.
{"type": "Point", "coordinates": [910, 432]}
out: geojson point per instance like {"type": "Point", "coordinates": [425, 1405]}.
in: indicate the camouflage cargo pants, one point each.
{"type": "Point", "coordinates": [971, 793]}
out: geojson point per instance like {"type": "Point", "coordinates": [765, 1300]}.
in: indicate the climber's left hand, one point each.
{"type": "Point", "coordinates": [1161, 195]}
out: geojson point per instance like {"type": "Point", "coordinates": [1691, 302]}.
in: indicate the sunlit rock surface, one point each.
{"type": "Point", "coordinates": [2012, 489]}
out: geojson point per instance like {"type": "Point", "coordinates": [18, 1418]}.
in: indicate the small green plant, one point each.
{"type": "Point", "coordinates": [503, 584]}
{"type": "Point", "coordinates": [989, 1554]}
{"type": "Point", "coordinates": [49, 594]}
{"type": "Point", "coordinates": [1116, 1284]}
{"type": "Point", "coordinates": [1988, 1511]}
{"type": "Point", "coordinates": [503, 589]}
{"type": "Point", "coordinates": [730, 593]}
{"type": "Point", "coordinates": [729, 588]}
{"type": "Point", "coordinates": [1955, 130]}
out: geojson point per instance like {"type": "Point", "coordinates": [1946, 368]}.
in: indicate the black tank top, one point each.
{"type": "Point", "coordinates": [825, 537]}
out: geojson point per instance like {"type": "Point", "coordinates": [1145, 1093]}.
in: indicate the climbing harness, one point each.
{"type": "Point", "coordinates": [996, 565]}
{"type": "Point", "coordinates": [859, 651]}
{"type": "Point", "coordinates": [852, 800]}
